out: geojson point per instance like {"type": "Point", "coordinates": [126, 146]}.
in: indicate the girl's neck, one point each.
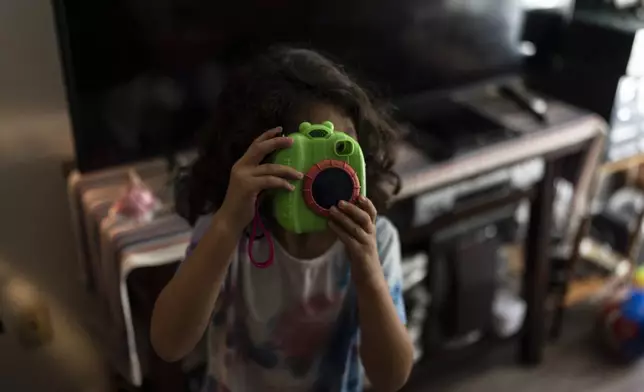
{"type": "Point", "coordinates": [304, 246]}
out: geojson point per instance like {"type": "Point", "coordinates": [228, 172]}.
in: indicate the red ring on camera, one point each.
{"type": "Point", "coordinates": [309, 178]}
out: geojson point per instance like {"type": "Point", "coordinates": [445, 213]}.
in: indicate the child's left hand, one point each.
{"type": "Point", "coordinates": [355, 226]}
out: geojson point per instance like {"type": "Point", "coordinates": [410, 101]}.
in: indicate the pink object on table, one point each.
{"type": "Point", "coordinates": [138, 202]}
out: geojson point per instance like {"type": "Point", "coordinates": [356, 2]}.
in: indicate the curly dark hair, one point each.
{"type": "Point", "coordinates": [270, 91]}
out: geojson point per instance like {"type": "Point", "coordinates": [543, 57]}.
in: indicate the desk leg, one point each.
{"type": "Point", "coordinates": [537, 263]}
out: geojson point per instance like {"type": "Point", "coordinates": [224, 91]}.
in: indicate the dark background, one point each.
{"type": "Point", "coordinates": [142, 75]}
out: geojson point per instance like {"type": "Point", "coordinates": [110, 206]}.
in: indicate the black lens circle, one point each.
{"type": "Point", "coordinates": [331, 186]}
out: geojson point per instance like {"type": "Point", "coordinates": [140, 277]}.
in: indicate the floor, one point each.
{"type": "Point", "coordinates": [573, 364]}
{"type": "Point", "coordinates": [43, 345]}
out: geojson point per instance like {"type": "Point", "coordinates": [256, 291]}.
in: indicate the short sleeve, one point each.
{"type": "Point", "coordinates": [390, 254]}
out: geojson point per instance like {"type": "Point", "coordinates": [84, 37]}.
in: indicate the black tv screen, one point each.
{"type": "Point", "coordinates": [142, 75]}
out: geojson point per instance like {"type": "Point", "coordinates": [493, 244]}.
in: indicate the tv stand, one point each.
{"type": "Point", "coordinates": [436, 190]}
{"type": "Point", "coordinates": [462, 121]}
{"type": "Point", "coordinates": [457, 131]}
{"type": "Point", "coordinates": [532, 104]}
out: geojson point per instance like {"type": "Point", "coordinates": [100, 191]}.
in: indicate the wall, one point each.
{"type": "Point", "coordinates": [36, 240]}
{"type": "Point", "coordinates": [30, 74]}
{"type": "Point", "coordinates": [35, 234]}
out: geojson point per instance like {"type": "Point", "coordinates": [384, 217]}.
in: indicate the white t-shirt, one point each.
{"type": "Point", "coordinates": [292, 326]}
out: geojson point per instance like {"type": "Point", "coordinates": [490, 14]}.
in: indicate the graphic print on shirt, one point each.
{"type": "Point", "coordinates": [263, 354]}
{"type": "Point", "coordinates": [297, 335]}
{"type": "Point", "coordinates": [302, 332]}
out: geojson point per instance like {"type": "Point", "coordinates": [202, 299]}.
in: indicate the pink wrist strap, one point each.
{"type": "Point", "coordinates": [257, 223]}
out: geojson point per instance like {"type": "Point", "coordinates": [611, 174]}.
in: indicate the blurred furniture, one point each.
{"type": "Point", "coordinates": [593, 59]}
{"type": "Point", "coordinates": [613, 247]}
{"type": "Point", "coordinates": [631, 171]}
{"type": "Point", "coordinates": [430, 200]}
{"type": "Point", "coordinates": [110, 251]}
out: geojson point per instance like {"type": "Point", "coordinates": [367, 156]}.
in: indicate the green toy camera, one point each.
{"type": "Point", "coordinates": [334, 170]}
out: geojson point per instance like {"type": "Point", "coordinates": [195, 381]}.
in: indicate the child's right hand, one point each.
{"type": "Point", "coordinates": [249, 177]}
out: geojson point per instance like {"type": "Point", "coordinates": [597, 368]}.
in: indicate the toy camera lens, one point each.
{"type": "Point", "coordinates": [331, 186]}
{"type": "Point", "coordinates": [343, 148]}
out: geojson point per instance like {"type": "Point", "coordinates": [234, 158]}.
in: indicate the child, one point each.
{"type": "Point", "coordinates": [331, 304]}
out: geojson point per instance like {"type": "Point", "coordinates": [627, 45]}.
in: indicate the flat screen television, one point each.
{"type": "Point", "coordinates": [141, 75]}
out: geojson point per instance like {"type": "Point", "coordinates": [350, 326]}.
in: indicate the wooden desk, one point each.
{"type": "Point", "coordinates": [570, 132]}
